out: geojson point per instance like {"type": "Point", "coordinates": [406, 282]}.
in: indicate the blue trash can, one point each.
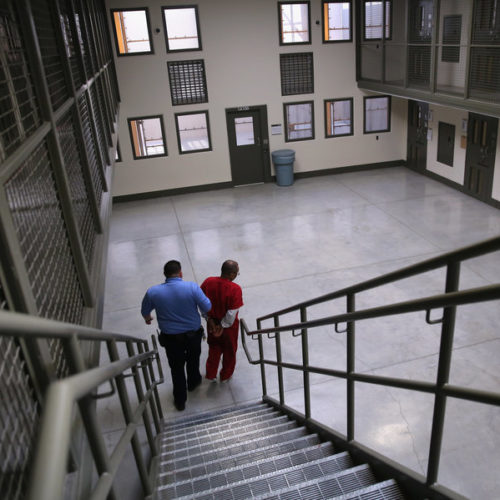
{"type": "Point", "coordinates": [283, 165]}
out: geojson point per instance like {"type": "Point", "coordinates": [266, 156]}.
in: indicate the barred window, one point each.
{"type": "Point", "coordinates": [182, 31]}
{"type": "Point", "coordinates": [147, 136]}
{"type": "Point", "coordinates": [338, 117]}
{"type": "Point", "coordinates": [294, 22]}
{"type": "Point", "coordinates": [188, 83]}
{"type": "Point", "coordinates": [337, 21]}
{"type": "Point", "coordinates": [374, 20]}
{"type": "Point", "coordinates": [132, 31]}
{"type": "Point", "coordinates": [297, 74]}
{"type": "Point", "coordinates": [299, 121]}
{"type": "Point", "coordinates": [377, 114]}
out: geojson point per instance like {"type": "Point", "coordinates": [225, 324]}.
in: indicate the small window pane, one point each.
{"type": "Point", "coordinates": [377, 114]}
{"type": "Point", "coordinates": [147, 137]}
{"type": "Point", "coordinates": [244, 131]}
{"type": "Point", "coordinates": [181, 28]}
{"type": "Point", "coordinates": [374, 20]}
{"type": "Point", "coordinates": [299, 121]}
{"type": "Point", "coordinates": [294, 22]}
{"type": "Point", "coordinates": [338, 114]}
{"type": "Point", "coordinates": [337, 21]}
{"type": "Point", "coordinates": [192, 131]}
{"type": "Point", "coordinates": [132, 33]}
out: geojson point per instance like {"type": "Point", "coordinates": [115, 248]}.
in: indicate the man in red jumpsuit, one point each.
{"type": "Point", "coordinates": [222, 320]}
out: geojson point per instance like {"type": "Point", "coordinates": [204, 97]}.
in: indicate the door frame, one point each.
{"type": "Point", "coordinates": [263, 123]}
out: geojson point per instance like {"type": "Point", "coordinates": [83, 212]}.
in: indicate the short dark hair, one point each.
{"type": "Point", "coordinates": [171, 268]}
{"type": "Point", "coordinates": [229, 267]}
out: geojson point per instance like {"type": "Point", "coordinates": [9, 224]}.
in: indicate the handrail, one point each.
{"type": "Point", "coordinates": [464, 253]}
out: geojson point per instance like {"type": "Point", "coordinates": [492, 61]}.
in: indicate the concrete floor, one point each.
{"type": "Point", "coordinates": [321, 234]}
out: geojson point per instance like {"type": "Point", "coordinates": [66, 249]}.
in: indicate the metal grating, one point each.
{"type": "Point", "coordinates": [486, 22]}
{"type": "Point", "coordinates": [79, 194]}
{"type": "Point", "coordinates": [19, 416]}
{"type": "Point", "coordinates": [103, 108]}
{"type": "Point", "coordinates": [297, 74]}
{"type": "Point", "coordinates": [81, 34]}
{"type": "Point", "coordinates": [187, 82]}
{"type": "Point", "coordinates": [37, 216]}
{"type": "Point", "coordinates": [19, 111]}
{"type": "Point", "coordinates": [92, 149]}
{"type": "Point", "coordinates": [485, 71]}
{"type": "Point", "coordinates": [96, 117]}
{"type": "Point", "coordinates": [419, 65]}
{"type": "Point", "coordinates": [51, 58]}
{"type": "Point", "coordinates": [420, 21]}
{"type": "Point", "coordinates": [70, 39]}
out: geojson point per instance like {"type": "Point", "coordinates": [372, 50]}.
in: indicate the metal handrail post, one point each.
{"type": "Point", "coordinates": [148, 377]}
{"type": "Point", "coordinates": [305, 365]}
{"type": "Point", "coordinates": [88, 412]}
{"type": "Point", "coordinates": [443, 374]}
{"type": "Point", "coordinates": [160, 374]}
{"type": "Point", "coordinates": [351, 368]}
{"type": "Point", "coordinates": [127, 413]}
{"type": "Point", "coordinates": [279, 361]}
{"type": "Point", "coordinates": [140, 395]}
{"type": "Point", "coordinates": [261, 360]}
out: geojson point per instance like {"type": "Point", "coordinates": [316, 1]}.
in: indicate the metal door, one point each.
{"type": "Point", "coordinates": [480, 157]}
{"type": "Point", "coordinates": [248, 144]}
{"type": "Point", "coordinates": [418, 113]}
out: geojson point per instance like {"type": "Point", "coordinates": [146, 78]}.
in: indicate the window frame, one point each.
{"type": "Point", "coordinates": [171, 81]}
{"type": "Point", "coordinates": [179, 142]}
{"type": "Point", "coordinates": [384, 2]}
{"type": "Point", "coordinates": [280, 22]}
{"type": "Point", "coordinates": [284, 82]}
{"type": "Point", "coordinates": [285, 120]}
{"type": "Point", "coordinates": [148, 23]}
{"type": "Point", "coordinates": [327, 101]}
{"type": "Point", "coordinates": [198, 32]}
{"type": "Point", "coordinates": [389, 103]}
{"type": "Point", "coordinates": [325, 26]}
{"type": "Point", "coordinates": [146, 157]}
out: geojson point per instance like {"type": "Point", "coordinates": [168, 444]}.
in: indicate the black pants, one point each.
{"type": "Point", "coordinates": [183, 349]}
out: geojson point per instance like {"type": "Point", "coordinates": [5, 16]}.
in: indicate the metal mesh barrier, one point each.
{"type": "Point", "coordinates": [79, 193]}
{"type": "Point", "coordinates": [91, 147]}
{"type": "Point", "coordinates": [96, 116]}
{"type": "Point", "coordinates": [82, 38]}
{"type": "Point", "coordinates": [103, 108]}
{"type": "Point", "coordinates": [187, 82]}
{"type": "Point", "coordinates": [51, 57]}
{"type": "Point", "coordinates": [297, 73]}
{"type": "Point", "coordinates": [19, 112]}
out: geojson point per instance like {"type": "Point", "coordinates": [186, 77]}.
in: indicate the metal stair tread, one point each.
{"type": "Point", "coordinates": [194, 460]}
{"type": "Point", "coordinates": [262, 486]}
{"type": "Point", "coordinates": [229, 442]}
{"type": "Point", "coordinates": [204, 429]}
{"type": "Point", "coordinates": [220, 435]}
{"type": "Point", "coordinates": [277, 462]}
{"type": "Point", "coordinates": [240, 459]}
{"type": "Point", "coordinates": [373, 492]}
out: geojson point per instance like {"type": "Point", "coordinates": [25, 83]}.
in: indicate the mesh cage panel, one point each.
{"type": "Point", "coordinates": [91, 42]}
{"type": "Point", "coordinates": [96, 116]}
{"type": "Point", "coordinates": [79, 194]}
{"type": "Point", "coordinates": [39, 224]}
{"type": "Point", "coordinates": [419, 65]}
{"type": "Point", "coordinates": [297, 73]}
{"type": "Point", "coordinates": [91, 147]}
{"type": "Point", "coordinates": [486, 22]}
{"type": "Point", "coordinates": [18, 421]}
{"type": "Point", "coordinates": [51, 58]}
{"type": "Point", "coordinates": [187, 82]}
{"type": "Point", "coordinates": [70, 39]}
{"type": "Point", "coordinates": [103, 108]}
{"type": "Point", "coordinates": [485, 72]}
{"type": "Point", "coordinates": [81, 33]}
{"type": "Point", "coordinates": [19, 111]}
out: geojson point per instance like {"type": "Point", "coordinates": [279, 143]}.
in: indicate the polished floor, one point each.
{"type": "Point", "coordinates": [318, 235]}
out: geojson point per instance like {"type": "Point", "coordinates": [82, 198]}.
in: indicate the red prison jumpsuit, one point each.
{"type": "Point", "coordinates": [224, 295]}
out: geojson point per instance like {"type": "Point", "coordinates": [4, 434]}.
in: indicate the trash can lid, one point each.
{"type": "Point", "coordinates": [283, 152]}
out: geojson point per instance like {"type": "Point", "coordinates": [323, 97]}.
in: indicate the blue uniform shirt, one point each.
{"type": "Point", "coordinates": [176, 303]}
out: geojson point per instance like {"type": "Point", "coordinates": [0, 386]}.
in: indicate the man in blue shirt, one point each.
{"type": "Point", "coordinates": [176, 303]}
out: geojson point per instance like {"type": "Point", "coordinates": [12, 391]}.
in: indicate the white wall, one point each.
{"type": "Point", "coordinates": [241, 53]}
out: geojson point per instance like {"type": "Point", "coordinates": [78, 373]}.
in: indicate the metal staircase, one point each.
{"type": "Point", "coordinates": [254, 451]}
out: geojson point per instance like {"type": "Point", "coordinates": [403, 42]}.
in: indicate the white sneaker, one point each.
{"type": "Point", "coordinates": [226, 381]}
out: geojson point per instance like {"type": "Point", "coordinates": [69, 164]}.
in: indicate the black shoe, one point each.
{"type": "Point", "coordinates": [179, 406]}
{"type": "Point", "coordinates": [193, 387]}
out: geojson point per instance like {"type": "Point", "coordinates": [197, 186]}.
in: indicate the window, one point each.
{"type": "Point", "coordinates": [182, 30]}
{"type": "Point", "coordinates": [187, 82]}
{"type": "Point", "coordinates": [377, 114]}
{"type": "Point", "coordinates": [297, 75]}
{"type": "Point", "coordinates": [299, 121]}
{"type": "Point", "coordinates": [295, 26]}
{"type": "Point", "coordinates": [338, 117]}
{"type": "Point", "coordinates": [147, 137]}
{"type": "Point", "coordinates": [193, 132]}
{"type": "Point", "coordinates": [337, 21]}
{"type": "Point", "coordinates": [132, 31]}
{"type": "Point", "coordinates": [374, 20]}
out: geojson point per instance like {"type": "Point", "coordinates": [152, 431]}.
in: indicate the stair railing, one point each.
{"type": "Point", "coordinates": [80, 388]}
{"type": "Point", "coordinates": [441, 389]}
